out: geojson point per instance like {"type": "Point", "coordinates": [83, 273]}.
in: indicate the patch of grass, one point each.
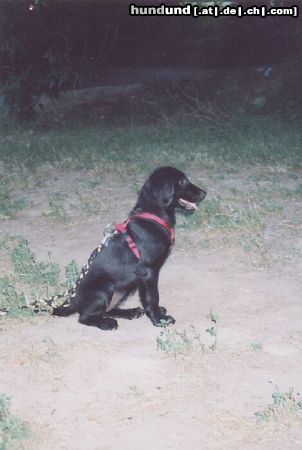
{"type": "Point", "coordinates": [297, 192]}
{"type": "Point", "coordinates": [12, 429]}
{"type": "Point", "coordinates": [28, 272]}
{"type": "Point", "coordinates": [38, 276]}
{"type": "Point", "coordinates": [88, 204]}
{"type": "Point", "coordinates": [92, 184]}
{"type": "Point", "coordinates": [215, 216]}
{"type": "Point", "coordinates": [8, 207]}
{"type": "Point", "coordinates": [209, 213]}
{"type": "Point", "coordinates": [56, 207]}
{"type": "Point", "coordinates": [240, 226]}
{"type": "Point", "coordinates": [7, 242]}
{"type": "Point", "coordinates": [31, 272]}
{"type": "Point", "coordinates": [175, 342]}
{"type": "Point", "coordinates": [269, 206]}
{"type": "Point", "coordinates": [262, 140]}
{"type": "Point", "coordinates": [11, 301]}
{"type": "Point", "coordinates": [284, 403]}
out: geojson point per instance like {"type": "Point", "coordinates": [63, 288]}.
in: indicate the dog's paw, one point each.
{"type": "Point", "coordinates": [165, 321]}
{"type": "Point", "coordinates": [108, 324]}
{"type": "Point", "coordinates": [162, 311]}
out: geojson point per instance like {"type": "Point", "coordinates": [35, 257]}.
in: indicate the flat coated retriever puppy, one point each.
{"type": "Point", "coordinates": [133, 256]}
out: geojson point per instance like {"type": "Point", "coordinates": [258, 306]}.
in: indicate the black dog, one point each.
{"type": "Point", "coordinates": [134, 255]}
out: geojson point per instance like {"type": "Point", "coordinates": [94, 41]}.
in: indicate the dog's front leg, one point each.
{"type": "Point", "coordinates": [149, 296]}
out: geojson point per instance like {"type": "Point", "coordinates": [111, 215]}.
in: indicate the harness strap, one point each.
{"type": "Point", "coordinates": [154, 218]}
{"type": "Point", "coordinates": [122, 228]}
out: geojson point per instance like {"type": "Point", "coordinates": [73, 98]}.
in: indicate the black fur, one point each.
{"type": "Point", "coordinates": [115, 272]}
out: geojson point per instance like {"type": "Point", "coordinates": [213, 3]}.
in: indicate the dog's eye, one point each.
{"type": "Point", "coordinates": [182, 182]}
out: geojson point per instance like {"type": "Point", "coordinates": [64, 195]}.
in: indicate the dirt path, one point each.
{"type": "Point", "coordinates": [79, 388]}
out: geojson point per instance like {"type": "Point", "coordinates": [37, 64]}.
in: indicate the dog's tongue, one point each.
{"type": "Point", "coordinates": [186, 204]}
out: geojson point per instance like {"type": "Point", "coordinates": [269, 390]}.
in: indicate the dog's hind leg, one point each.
{"type": "Point", "coordinates": [94, 314]}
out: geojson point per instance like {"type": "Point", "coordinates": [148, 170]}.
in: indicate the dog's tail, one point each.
{"type": "Point", "coordinates": [59, 305]}
{"type": "Point", "coordinates": [66, 309]}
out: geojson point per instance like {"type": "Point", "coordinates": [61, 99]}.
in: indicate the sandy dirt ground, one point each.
{"type": "Point", "coordinates": [79, 388]}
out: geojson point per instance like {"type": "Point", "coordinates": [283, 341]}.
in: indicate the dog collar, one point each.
{"type": "Point", "coordinates": [122, 228]}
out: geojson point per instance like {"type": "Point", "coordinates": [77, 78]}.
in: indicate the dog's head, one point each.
{"type": "Point", "coordinates": [169, 188]}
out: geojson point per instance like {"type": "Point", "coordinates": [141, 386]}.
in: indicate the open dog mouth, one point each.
{"type": "Point", "coordinates": [187, 205]}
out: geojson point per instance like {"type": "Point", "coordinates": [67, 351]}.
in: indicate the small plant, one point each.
{"type": "Point", "coordinates": [11, 427]}
{"type": "Point", "coordinates": [213, 329]}
{"type": "Point", "coordinates": [256, 347]}
{"type": "Point", "coordinates": [71, 273]}
{"type": "Point", "coordinates": [27, 271]}
{"type": "Point", "coordinates": [176, 342]}
{"type": "Point", "coordinates": [284, 403]}
{"type": "Point", "coordinates": [11, 301]}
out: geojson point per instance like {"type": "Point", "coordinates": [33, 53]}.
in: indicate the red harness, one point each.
{"type": "Point", "coordinates": [122, 228]}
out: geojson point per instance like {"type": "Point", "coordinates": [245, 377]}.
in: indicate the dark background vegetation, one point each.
{"type": "Point", "coordinates": [242, 74]}
{"type": "Point", "coordinates": [49, 45]}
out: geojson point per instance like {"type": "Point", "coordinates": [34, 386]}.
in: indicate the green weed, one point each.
{"type": "Point", "coordinates": [284, 403]}
{"type": "Point", "coordinates": [175, 342]}
{"type": "Point", "coordinates": [12, 302]}
{"type": "Point", "coordinates": [256, 346]}
{"type": "Point", "coordinates": [213, 329]}
{"type": "Point", "coordinates": [12, 429]}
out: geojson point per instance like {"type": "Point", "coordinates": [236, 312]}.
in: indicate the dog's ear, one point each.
{"type": "Point", "coordinates": [160, 192]}
{"type": "Point", "coordinates": [165, 194]}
